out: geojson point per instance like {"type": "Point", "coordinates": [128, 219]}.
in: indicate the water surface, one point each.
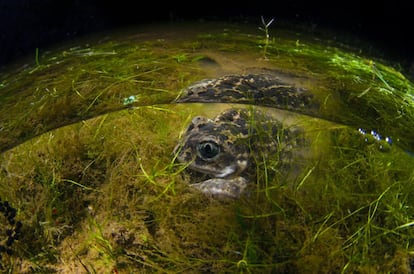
{"type": "Point", "coordinates": [87, 133]}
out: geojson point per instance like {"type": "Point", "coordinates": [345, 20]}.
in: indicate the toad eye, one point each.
{"type": "Point", "coordinates": [208, 150]}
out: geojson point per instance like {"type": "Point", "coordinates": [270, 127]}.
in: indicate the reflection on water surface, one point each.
{"type": "Point", "coordinates": [91, 137]}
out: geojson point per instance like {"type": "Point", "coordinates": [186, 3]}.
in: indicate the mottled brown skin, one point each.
{"type": "Point", "coordinates": [217, 148]}
{"type": "Point", "coordinates": [219, 151]}
{"type": "Point", "coordinates": [267, 88]}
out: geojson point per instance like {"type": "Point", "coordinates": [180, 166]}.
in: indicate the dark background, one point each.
{"type": "Point", "coordinates": [29, 24]}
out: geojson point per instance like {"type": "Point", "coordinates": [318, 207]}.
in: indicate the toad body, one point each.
{"type": "Point", "coordinates": [221, 152]}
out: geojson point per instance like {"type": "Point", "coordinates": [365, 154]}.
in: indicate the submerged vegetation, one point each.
{"type": "Point", "coordinates": [99, 191]}
{"type": "Point", "coordinates": [106, 195]}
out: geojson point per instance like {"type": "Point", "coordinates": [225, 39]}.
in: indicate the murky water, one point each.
{"type": "Point", "coordinates": [89, 136]}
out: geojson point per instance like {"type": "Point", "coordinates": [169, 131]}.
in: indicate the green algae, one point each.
{"type": "Point", "coordinates": [102, 199]}
{"type": "Point", "coordinates": [104, 194]}
{"type": "Point", "coordinates": [86, 80]}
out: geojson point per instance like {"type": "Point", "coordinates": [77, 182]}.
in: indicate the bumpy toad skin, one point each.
{"type": "Point", "coordinates": [216, 147]}
{"type": "Point", "coordinates": [221, 150]}
{"type": "Point", "coordinates": [267, 88]}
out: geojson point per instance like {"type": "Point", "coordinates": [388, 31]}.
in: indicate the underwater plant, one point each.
{"type": "Point", "coordinates": [87, 138]}
{"type": "Point", "coordinates": [11, 230]}
{"type": "Point", "coordinates": [265, 29]}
